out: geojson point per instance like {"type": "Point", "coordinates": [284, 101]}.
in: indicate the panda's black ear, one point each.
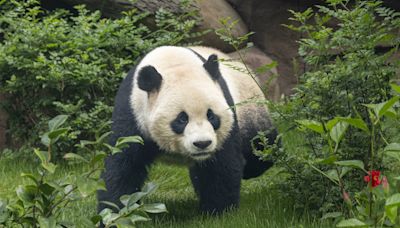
{"type": "Point", "coordinates": [212, 66]}
{"type": "Point", "coordinates": [149, 79]}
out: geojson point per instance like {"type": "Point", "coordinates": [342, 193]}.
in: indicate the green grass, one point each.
{"type": "Point", "coordinates": [261, 205]}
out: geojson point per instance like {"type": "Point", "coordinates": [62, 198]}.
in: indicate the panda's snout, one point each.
{"type": "Point", "coordinates": [202, 144]}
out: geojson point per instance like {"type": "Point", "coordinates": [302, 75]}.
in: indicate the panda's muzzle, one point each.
{"type": "Point", "coordinates": [202, 144]}
{"type": "Point", "coordinates": [201, 154]}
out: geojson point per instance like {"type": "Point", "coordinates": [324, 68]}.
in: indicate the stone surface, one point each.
{"type": "Point", "coordinates": [211, 12]}
{"type": "Point", "coordinates": [255, 58]}
{"type": "Point", "coordinates": [265, 18]}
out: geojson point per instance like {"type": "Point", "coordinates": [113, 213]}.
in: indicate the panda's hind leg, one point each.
{"type": "Point", "coordinates": [255, 166]}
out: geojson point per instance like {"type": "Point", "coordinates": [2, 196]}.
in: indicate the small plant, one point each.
{"type": "Point", "coordinates": [377, 204]}
{"type": "Point", "coordinates": [40, 202]}
{"type": "Point", "coordinates": [343, 71]}
{"type": "Point", "coordinates": [133, 211]}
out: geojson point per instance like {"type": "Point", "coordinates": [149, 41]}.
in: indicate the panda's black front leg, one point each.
{"type": "Point", "coordinates": [126, 172]}
{"type": "Point", "coordinates": [217, 180]}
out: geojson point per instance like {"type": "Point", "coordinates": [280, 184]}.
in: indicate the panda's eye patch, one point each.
{"type": "Point", "coordinates": [213, 119]}
{"type": "Point", "coordinates": [210, 114]}
{"type": "Point", "coordinates": [183, 118]}
{"type": "Point", "coordinates": [179, 123]}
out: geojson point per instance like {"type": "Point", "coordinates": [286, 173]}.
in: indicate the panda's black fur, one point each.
{"type": "Point", "coordinates": [216, 180]}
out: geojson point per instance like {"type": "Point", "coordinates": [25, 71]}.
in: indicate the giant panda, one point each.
{"type": "Point", "coordinates": [181, 101]}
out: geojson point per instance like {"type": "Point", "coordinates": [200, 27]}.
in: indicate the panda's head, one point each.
{"type": "Point", "coordinates": [181, 106]}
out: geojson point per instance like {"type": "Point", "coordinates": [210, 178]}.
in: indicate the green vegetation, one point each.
{"type": "Point", "coordinates": [338, 164]}
{"type": "Point", "coordinates": [261, 205]}
{"type": "Point", "coordinates": [56, 62]}
{"type": "Point", "coordinates": [344, 114]}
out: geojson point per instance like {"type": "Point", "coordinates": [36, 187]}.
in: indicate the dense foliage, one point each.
{"type": "Point", "coordinates": [40, 202]}
{"type": "Point", "coordinates": [345, 75]}
{"type": "Point", "coordinates": [62, 63]}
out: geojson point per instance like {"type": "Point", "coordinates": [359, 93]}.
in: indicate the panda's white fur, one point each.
{"type": "Point", "coordinates": [187, 86]}
{"type": "Point", "coordinates": [150, 101]}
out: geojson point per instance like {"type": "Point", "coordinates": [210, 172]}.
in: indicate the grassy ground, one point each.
{"type": "Point", "coordinates": [261, 206]}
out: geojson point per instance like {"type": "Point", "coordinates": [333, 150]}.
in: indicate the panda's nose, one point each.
{"type": "Point", "coordinates": [202, 144]}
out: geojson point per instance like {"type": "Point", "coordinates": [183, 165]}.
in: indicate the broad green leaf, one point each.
{"type": "Point", "coordinates": [76, 157]}
{"type": "Point", "coordinates": [47, 222]}
{"type": "Point", "coordinates": [96, 219]}
{"type": "Point", "coordinates": [393, 150]}
{"type": "Point", "coordinates": [49, 166]}
{"type": "Point", "coordinates": [103, 137]}
{"type": "Point", "coordinates": [129, 200]}
{"type": "Point", "coordinates": [30, 176]}
{"type": "Point", "coordinates": [395, 87]}
{"type": "Point", "coordinates": [124, 223]}
{"type": "Point", "coordinates": [391, 213]}
{"type": "Point", "coordinates": [391, 113]}
{"type": "Point", "coordinates": [112, 149]}
{"type": "Point", "coordinates": [26, 193]}
{"type": "Point", "coordinates": [55, 185]}
{"type": "Point", "coordinates": [332, 174]}
{"type": "Point", "coordinates": [110, 204]}
{"type": "Point", "coordinates": [45, 140]}
{"type": "Point", "coordinates": [84, 143]}
{"type": "Point", "coordinates": [344, 171]}
{"type": "Point", "coordinates": [387, 105]}
{"type": "Point", "coordinates": [154, 208]}
{"type": "Point", "coordinates": [108, 216]}
{"type": "Point", "coordinates": [138, 218]}
{"type": "Point", "coordinates": [393, 200]}
{"type": "Point", "coordinates": [330, 160]}
{"type": "Point", "coordinates": [41, 155]}
{"type": "Point", "coordinates": [149, 188]}
{"type": "Point", "coordinates": [98, 158]}
{"type": "Point", "coordinates": [46, 189]}
{"type": "Point", "coordinates": [392, 147]}
{"type": "Point", "coordinates": [57, 133]}
{"type": "Point", "coordinates": [331, 215]}
{"type": "Point", "coordinates": [131, 139]}
{"type": "Point", "coordinates": [338, 131]}
{"type": "Point", "coordinates": [381, 108]}
{"type": "Point", "coordinates": [57, 121]}
{"type": "Point", "coordinates": [70, 193]}
{"type": "Point", "coordinates": [331, 123]}
{"type": "Point", "coordinates": [356, 122]}
{"type": "Point", "coordinates": [312, 125]}
{"type": "Point", "coordinates": [351, 223]}
{"type": "Point", "coordinates": [351, 163]}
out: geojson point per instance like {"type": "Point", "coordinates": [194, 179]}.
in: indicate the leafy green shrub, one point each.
{"type": "Point", "coordinates": [59, 63]}
{"type": "Point", "coordinates": [344, 71]}
{"type": "Point", "coordinates": [40, 202]}
{"type": "Point", "coordinates": [378, 203]}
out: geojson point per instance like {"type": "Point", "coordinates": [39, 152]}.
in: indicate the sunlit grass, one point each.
{"type": "Point", "coordinates": [261, 205]}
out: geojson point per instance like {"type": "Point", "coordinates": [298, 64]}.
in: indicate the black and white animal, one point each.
{"type": "Point", "coordinates": [179, 100]}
